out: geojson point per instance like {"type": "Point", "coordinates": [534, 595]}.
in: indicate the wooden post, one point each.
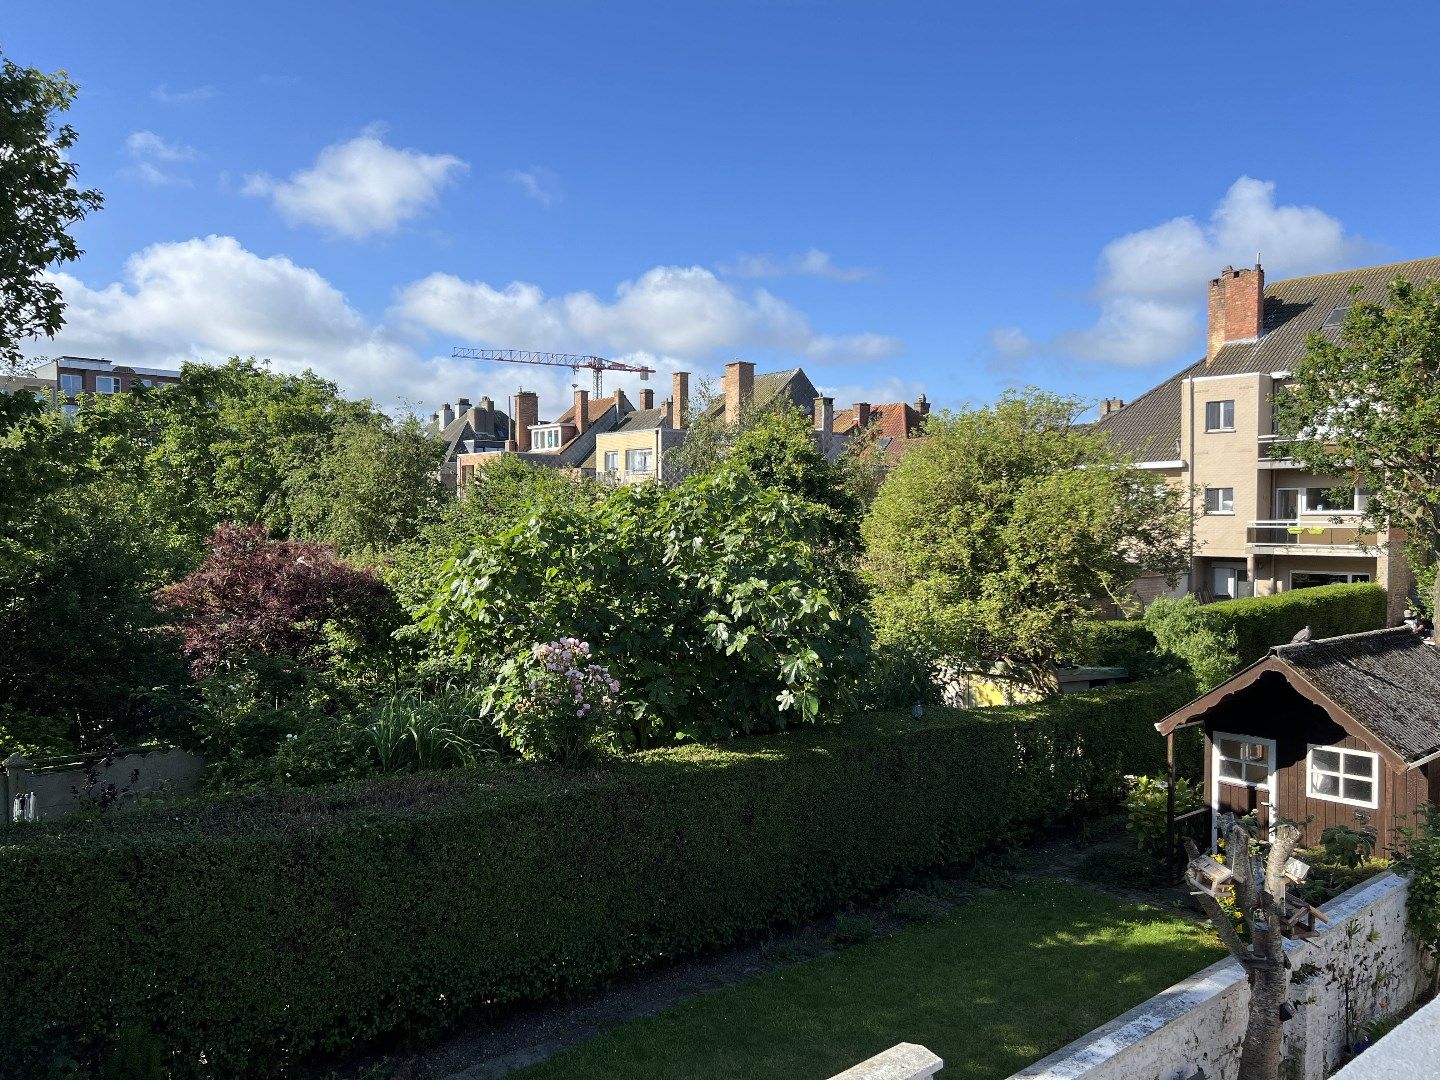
{"type": "Point", "coordinates": [1170, 797]}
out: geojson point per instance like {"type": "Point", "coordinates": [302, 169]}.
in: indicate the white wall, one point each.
{"type": "Point", "coordinates": [1367, 965]}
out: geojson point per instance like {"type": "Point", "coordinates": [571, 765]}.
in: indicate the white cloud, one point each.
{"type": "Point", "coordinates": [1151, 284]}
{"type": "Point", "coordinates": [166, 96]}
{"type": "Point", "coordinates": [810, 263]}
{"type": "Point", "coordinates": [668, 310]}
{"type": "Point", "coordinates": [150, 153]}
{"type": "Point", "coordinates": [209, 298]}
{"type": "Point", "coordinates": [1011, 343]}
{"type": "Point", "coordinates": [539, 183]}
{"type": "Point", "coordinates": [361, 187]}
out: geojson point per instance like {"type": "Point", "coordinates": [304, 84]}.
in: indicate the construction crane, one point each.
{"type": "Point", "coordinates": [574, 361]}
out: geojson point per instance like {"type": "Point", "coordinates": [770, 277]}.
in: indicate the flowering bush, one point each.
{"type": "Point", "coordinates": [555, 703]}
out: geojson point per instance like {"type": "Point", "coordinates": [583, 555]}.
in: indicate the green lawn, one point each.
{"type": "Point", "coordinates": [990, 987]}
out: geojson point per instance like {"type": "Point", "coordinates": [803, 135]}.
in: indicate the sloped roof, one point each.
{"type": "Point", "coordinates": [772, 385]}
{"type": "Point", "coordinates": [596, 408]}
{"type": "Point", "coordinates": [1148, 427]}
{"type": "Point", "coordinates": [1296, 307]}
{"type": "Point", "coordinates": [894, 424]}
{"type": "Point", "coordinates": [644, 419]}
{"type": "Point", "coordinates": [1388, 680]}
{"type": "Point", "coordinates": [1382, 684]}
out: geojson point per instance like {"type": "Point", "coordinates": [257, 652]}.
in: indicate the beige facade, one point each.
{"type": "Point", "coordinates": [1260, 524]}
{"type": "Point", "coordinates": [634, 455]}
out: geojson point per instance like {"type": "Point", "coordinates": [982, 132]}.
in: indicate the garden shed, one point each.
{"type": "Point", "coordinates": [1318, 731]}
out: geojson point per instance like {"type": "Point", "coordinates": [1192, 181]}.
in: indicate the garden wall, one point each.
{"type": "Point", "coordinates": [1367, 965]}
{"type": "Point", "coordinates": [263, 931]}
{"type": "Point", "coordinates": [34, 790]}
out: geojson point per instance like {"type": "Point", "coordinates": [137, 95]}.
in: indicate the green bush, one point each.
{"type": "Point", "coordinates": [1217, 640]}
{"type": "Point", "coordinates": [267, 930]}
{"type": "Point", "coordinates": [1149, 808]}
{"type": "Point", "coordinates": [1126, 643]}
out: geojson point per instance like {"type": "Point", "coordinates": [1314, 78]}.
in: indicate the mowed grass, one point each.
{"type": "Point", "coordinates": [990, 987]}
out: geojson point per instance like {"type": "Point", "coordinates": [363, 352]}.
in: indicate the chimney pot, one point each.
{"type": "Point", "coordinates": [922, 404]}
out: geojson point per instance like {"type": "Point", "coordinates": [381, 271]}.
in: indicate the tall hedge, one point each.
{"type": "Point", "coordinates": [251, 935]}
{"type": "Point", "coordinates": [1260, 622]}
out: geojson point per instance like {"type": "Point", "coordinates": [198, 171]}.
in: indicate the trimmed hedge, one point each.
{"type": "Point", "coordinates": [251, 935]}
{"type": "Point", "coordinates": [1330, 610]}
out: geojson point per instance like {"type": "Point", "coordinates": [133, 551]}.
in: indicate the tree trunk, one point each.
{"type": "Point", "coordinates": [1260, 1053]}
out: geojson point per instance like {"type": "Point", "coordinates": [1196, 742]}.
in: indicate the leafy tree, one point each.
{"type": "Point", "coordinates": [1182, 630]}
{"type": "Point", "coordinates": [374, 490]}
{"type": "Point", "coordinates": [254, 596]}
{"type": "Point", "coordinates": [79, 657]}
{"type": "Point", "coordinates": [992, 542]}
{"type": "Point", "coordinates": [40, 203]}
{"type": "Point", "coordinates": [1368, 406]}
{"type": "Point", "coordinates": [709, 602]}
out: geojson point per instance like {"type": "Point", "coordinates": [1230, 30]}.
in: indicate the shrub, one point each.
{"type": "Point", "coordinates": [1148, 805]}
{"type": "Point", "coordinates": [412, 731]}
{"type": "Point", "coordinates": [268, 930]}
{"type": "Point", "coordinates": [1126, 643]}
{"type": "Point", "coordinates": [1217, 640]}
{"type": "Point", "coordinates": [555, 702]}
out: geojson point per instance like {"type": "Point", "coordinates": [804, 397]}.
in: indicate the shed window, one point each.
{"type": "Point", "coordinates": [1344, 776]}
{"type": "Point", "coordinates": [1244, 761]}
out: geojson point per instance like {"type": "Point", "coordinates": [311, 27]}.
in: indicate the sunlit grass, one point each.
{"type": "Point", "coordinates": [991, 987]}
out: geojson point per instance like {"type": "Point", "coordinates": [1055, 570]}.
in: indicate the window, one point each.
{"type": "Point", "coordinates": [1219, 500]}
{"type": "Point", "coordinates": [1220, 416]}
{"type": "Point", "coordinates": [1313, 579]}
{"type": "Point", "coordinates": [1337, 317]}
{"type": "Point", "coordinates": [639, 461]}
{"type": "Point", "coordinates": [612, 462]}
{"type": "Point", "coordinates": [142, 382]}
{"type": "Point", "coordinates": [70, 385]}
{"type": "Point", "coordinates": [1346, 776]}
{"type": "Point", "coordinates": [547, 438]}
{"type": "Point", "coordinates": [1332, 500]}
{"type": "Point", "coordinates": [1242, 761]}
{"type": "Point", "coordinates": [107, 384]}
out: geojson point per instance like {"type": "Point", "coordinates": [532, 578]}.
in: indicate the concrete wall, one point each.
{"type": "Point", "coordinates": [1411, 1050]}
{"type": "Point", "coordinates": [1366, 965]}
{"type": "Point", "coordinates": [45, 787]}
{"type": "Point", "coordinates": [907, 1061]}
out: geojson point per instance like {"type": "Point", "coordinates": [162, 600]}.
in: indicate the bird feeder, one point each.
{"type": "Point", "coordinates": [1295, 871]}
{"type": "Point", "coordinates": [1208, 875]}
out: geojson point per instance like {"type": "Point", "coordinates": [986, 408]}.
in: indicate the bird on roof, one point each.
{"type": "Point", "coordinates": [1303, 636]}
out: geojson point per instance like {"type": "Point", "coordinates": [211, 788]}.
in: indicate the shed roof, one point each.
{"type": "Point", "coordinates": [1384, 684]}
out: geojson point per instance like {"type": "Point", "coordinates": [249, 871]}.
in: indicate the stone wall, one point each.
{"type": "Point", "coordinates": [46, 787]}
{"type": "Point", "coordinates": [907, 1061]}
{"type": "Point", "coordinates": [1362, 966]}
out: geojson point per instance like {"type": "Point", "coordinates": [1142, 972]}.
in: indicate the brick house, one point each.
{"type": "Point", "coordinates": [72, 377]}
{"type": "Point", "coordinates": [1260, 524]}
{"type": "Point", "coordinates": [896, 425]}
{"type": "Point", "coordinates": [467, 430]}
{"type": "Point", "coordinates": [567, 442]}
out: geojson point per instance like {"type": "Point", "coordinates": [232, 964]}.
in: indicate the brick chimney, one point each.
{"type": "Point", "coordinates": [462, 406]}
{"type": "Point", "coordinates": [619, 404]}
{"type": "Point", "coordinates": [922, 404]}
{"type": "Point", "coordinates": [1109, 405]}
{"type": "Point", "coordinates": [1237, 307]}
{"type": "Point", "coordinates": [582, 411]}
{"type": "Point", "coordinates": [527, 412]}
{"type": "Point", "coordinates": [679, 399]}
{"type": "Point", "coordinates": [647, 398]}
{"type": "Point", "coordinates": [862, 415]}
{"type": "Point", "coordinates": [739, 388]}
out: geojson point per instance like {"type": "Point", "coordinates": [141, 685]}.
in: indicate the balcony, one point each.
{"type": "Point", "coordinates": [1273, 454]}
{"type": "Point", "coordinates": [1304, 536]}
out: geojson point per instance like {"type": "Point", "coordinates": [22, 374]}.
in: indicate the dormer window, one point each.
{"type": "Point", "coordinates": [545, 438]}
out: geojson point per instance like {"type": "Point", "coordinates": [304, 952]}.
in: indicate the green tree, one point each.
{"type": "Point", "coordinates": [1367, 406]}
{"type": "Point", "coordinates": [994, 540]}
{"type": "Point", "coordinates": [375, 489]}
{"type": "Point", "coordinates": [39, 205]}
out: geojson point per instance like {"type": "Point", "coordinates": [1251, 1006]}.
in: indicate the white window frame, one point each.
{"type": "Point", "coordinates": [1356, 503]}
{"type": "Point", "coordinates": [611, 462]}
{"type": "Point", "coordinates": [71, 384]}
{"type": "Point", "coordinates": [1220, 424]}
{"type": "Point", "coordinates": [1299, 503]}
{"type": "Point", "coordinates": [649, 460]}
{"type": "Point", "coordinates": [1358, 577]}
{"type": "Point", "coordinates": [107, 384]}
{"type": "Point", "coordinates": [1343, 751]}
{"type": "Point", "coordinates": [1270, 787]}
{"type": "Point", "coordinates": [1220, 502]}
{"type": "Point", "coordinates": [545, 438]}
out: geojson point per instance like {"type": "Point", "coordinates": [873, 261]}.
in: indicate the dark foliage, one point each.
{"type": "Point", "coordinates": [268, 930]}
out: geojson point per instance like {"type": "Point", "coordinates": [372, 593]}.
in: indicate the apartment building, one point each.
{"type": "Point", "coordinates": [72, 377]}
{"type": "Point", "coordinates": [1260, 524]}
{"type": "Point", "coordinates": [467, 430]}
{"type": "Point", "coordinates": [567, 442]}
{"type": "Point", "coordinates": [633, 451]}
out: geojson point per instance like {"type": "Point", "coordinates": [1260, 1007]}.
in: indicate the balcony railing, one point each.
{"type": "Point", "coordinates": [1304, 533]}
{"type": "Point", "coordinates": [1274, 452]}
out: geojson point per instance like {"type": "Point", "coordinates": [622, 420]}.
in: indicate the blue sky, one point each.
{"type": "Point", "coordinates": [901, 196]}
